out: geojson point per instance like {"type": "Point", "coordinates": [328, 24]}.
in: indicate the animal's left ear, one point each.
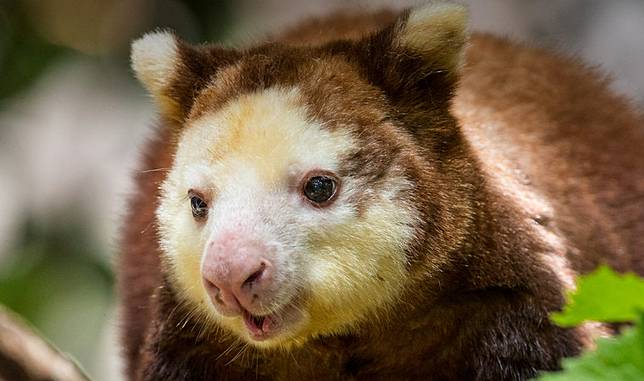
{"type": "Point", "coordinates": [436, 33]}
{"type": "Point", "coordinates": [423, 48]}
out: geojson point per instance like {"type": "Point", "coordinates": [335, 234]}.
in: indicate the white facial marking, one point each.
{"type": "Point", "coordinates": [332, 264]}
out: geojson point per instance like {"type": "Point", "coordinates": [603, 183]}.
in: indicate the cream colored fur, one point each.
{"type": "Point", "coordinates": [248, 158]}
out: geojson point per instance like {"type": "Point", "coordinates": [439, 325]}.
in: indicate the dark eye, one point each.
{"type": "Point", "coordinates": [199, 206]}
{"type": "Point", "coordinates": [320, 189]}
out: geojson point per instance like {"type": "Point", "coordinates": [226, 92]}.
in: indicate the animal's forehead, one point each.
{"type": "Point", "coordinates": [330, 85]}
{"type": "Point", "coordinates": [270, 131]}
{"type": "Point", "coordinates": [290, 115]}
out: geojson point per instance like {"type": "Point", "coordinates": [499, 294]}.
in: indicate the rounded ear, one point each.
{"type": "Point", "coordinates": [422, 50]}
{"type": "Point", "coordinates": [174, 71]}
{"type": "Point", "coordinates": [437, 33]}
{"type": "Point", "coordinates": [155, 60]}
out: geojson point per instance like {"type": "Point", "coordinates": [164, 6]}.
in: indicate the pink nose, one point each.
{"type": "Point", "coordinates": [236, 274]}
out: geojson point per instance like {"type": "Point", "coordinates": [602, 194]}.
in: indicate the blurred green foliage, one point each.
{"type": "Point", "coordinates": [57, 278]}
{"type": "Point", "coordinates": [23, 53]}
{"type": "Point", "coordinates": [47, 263]}
{"type": "Point", "coordinates": [27, 49]}
{"type": "Point", "coordinates": [606, 296]}
{"type": "Point", "coordinates": [603, 296]}
{"type": "Point", "coordinates": [620, 359]}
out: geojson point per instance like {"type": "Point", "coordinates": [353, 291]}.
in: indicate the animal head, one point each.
{"type": "Point", "coordinates": [306, 184]}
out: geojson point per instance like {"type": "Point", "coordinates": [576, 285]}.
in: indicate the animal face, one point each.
{"type": "Point", "coordinates": [294, 206]}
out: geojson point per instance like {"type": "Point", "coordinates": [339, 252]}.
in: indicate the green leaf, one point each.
{"type": "Point", "coordinates": [619, 359]}
{"type": "Point", "coordinates": [603, 296]}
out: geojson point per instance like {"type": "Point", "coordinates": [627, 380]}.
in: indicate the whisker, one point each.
{"type": "Point", "coordinates": [244, 347]}
{"type": "Point", "coordinates": [228, 350]}
{"type": "Point", "coordinates": [155, 170]}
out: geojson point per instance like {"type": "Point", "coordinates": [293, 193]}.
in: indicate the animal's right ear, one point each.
{"type": "Point", "coordinates": [174, 71]}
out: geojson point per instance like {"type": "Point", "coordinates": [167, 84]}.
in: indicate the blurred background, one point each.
{"type": "Point", "coordinates": [72, 120]}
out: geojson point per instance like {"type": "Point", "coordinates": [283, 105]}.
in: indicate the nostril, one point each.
{"type": "Point", "coordinates": [254, 276]}
{"type": "Point", "coordinates": [214, 291]}
{"type": "Point", "coordinates": [210, 285]}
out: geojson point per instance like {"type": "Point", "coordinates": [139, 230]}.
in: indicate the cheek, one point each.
{"type": "Point", "coordinates": [182, 241]}
{"type": "Point", "coordinates": [359, 266]}
{"type": "Point", "coordinates": [187, 270]}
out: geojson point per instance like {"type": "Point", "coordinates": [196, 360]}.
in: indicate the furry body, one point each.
{"type": "Point", "coordinates": [530, 174]}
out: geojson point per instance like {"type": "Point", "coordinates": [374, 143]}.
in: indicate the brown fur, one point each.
{"type": "Point", "coordinates": [479, 296]}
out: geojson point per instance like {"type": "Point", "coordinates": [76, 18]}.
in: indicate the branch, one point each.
{"type": "Point", "coordinates": [26, 356]}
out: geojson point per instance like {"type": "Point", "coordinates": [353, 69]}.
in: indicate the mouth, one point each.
{"type": "Point", "coordinates": [264, 327]}
{"type": "Point", "coordinates": [260, 327]}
